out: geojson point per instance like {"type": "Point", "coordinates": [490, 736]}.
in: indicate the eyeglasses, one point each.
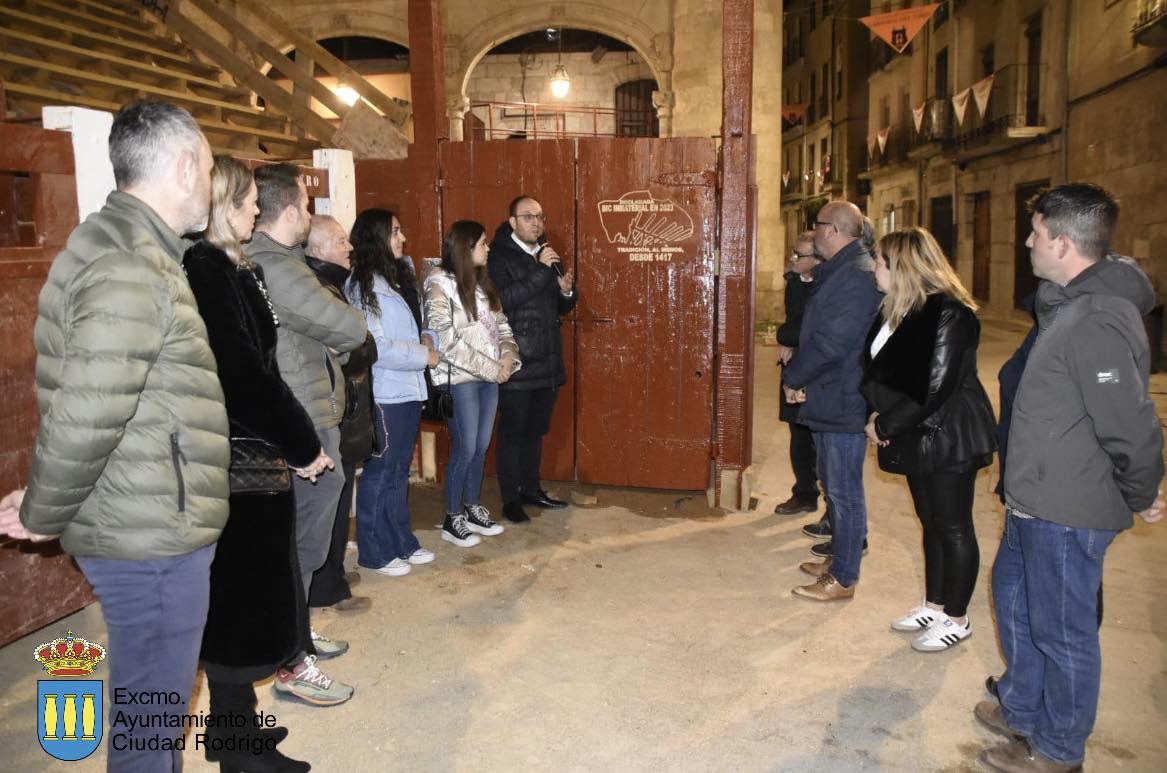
{"type": "Point", "coordinates": [817, 223]}
{"type": "Point", "coordinates": [800, 255]}
{"type": "Point", "coordinates": [531, 218]}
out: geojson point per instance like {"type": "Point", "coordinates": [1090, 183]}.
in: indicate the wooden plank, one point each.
{"type": "Point", "coordinates": [90, 54]}
{"type": "Point", "coordinates": [298, 75]}
{"type": "Point", "coordinates": [36, 150]}
{"type": "Point", "coordinates": [170, 94]}
{"type": "Point", "coordinates": [111, 10]}
{"type": "Point", "coordinates": [247, 75]}
{"type": "Point", "coordinates": [395, 110]}
{"type": "Point", "coordinates": [49, 97]}
{"type": "Point", "coordinates": [79, 16]}
{"type": "Point", "coordinates": [735, 288]}
{"type": "Point", "coordinates": [54, 25]}
{"type": "Point", "coordinates": [427, 78]}
{"type": "Point", "coordinates": [315, 179]}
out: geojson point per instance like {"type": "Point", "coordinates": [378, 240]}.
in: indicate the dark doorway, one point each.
{"type": "Point", "coordinates": [982, 245]}
{"type": "Point", "coordinates": [1024, 282]}
{"type": "Point", "coordinates": [940, 222]}
{"type": "Point", "coordinates": [635, 115]}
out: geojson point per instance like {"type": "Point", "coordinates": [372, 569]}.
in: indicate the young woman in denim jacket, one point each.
{"type": "Point", "coordinates": [478, 353]}
{"type": "Point", "coordinates": [382, 284]}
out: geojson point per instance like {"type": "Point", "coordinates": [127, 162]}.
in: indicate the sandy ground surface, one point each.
{"type": "Point", "coordinates": [652, 633]}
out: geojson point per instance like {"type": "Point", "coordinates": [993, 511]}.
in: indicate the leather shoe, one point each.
{"type": "Point", "coordinates": [1019, 757]}
{"type": "Point", "coordinates": [513, 512]}
{"type": "Point", "coordinates": [989, 714]}
{"type": "Point", "coordinates": [542, 499]}
{"type": "Point", "coordinates": [816, 568]}
{"type": "Point", "coordinates": [796, 505]}
{"type": "Point", "coordinates": [353, 605]}
{"type": "Point", "coordinates": [826, 588]}
{"type": "Point", "coordinates": [353, 579]}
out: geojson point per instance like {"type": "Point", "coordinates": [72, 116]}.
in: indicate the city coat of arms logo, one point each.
{"type": "Point", "coordinates": [69, 711]}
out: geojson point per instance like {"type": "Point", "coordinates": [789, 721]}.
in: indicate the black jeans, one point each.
{"type": "Point", "coordinates": [524, 417]}
{"type": "Point", "coordinates": [944, 503]}
{"type": "Point", "coordinates": [802, 459]}
{"type": "Point", "coordinates": [328, 583]}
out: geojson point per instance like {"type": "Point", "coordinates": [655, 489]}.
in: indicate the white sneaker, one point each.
{"type": "Point", "coordinates": [455, 530]}
{"type": "Point", "coordinates": [421, 556]}
{"type": "Point", "coordinates": [942, 634]}
{"type": "Point", "coordinates": [917, 620]}
{"type": "Point", "coordinates": [478, 521]}
{"type": "Point", "coordinates": [395, 568]}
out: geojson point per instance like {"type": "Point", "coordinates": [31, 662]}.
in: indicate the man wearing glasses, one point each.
{"type": "Point", "coordinates": [825, 377]}
{"type": "Point", "coordinates": [805, 493]}
{"type": "Point", "coordinates": [535, 290]}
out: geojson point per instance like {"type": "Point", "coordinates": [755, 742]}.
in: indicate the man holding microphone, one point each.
{"type": "Point", "coordinates": [535, 290]}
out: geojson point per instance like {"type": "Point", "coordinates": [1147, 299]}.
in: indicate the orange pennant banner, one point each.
{"type": "Point", "coordinates": [791, 113]}
{"type": "Point", "coordinates": [897, 28]}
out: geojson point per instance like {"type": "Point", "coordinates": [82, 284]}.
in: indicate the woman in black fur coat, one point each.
{"type": "Point", "coordinates": [257, 618]}
{"type": "Point", "coordinates": [931, 420]}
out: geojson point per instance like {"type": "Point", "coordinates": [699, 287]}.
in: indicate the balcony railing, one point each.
{"type": "Point", "coordinates": [534, 121]}
{"type": "Point", "coordinates": [1150, 27]}
{"type": "Point", "coordinates": [1014, 109]}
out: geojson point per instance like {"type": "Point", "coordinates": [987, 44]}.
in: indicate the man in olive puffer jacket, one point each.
{"type": "Point", "coordinates": [130, 463]}
{"type": "Point", "coordinates": [316, 331]}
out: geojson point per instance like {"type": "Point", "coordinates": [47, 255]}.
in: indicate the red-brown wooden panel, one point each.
{"type": "Point", "coordinates": [479, 180]}
{"type": "Point", "coordinates": [647, 224]}
{"type": "Point", "coordinates": [389, 185]}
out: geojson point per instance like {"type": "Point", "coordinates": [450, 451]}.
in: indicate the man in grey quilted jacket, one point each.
{"type": "Point", "coordinates": [316, 331]}
{"type": "Point", "coordinates": [129, 467]}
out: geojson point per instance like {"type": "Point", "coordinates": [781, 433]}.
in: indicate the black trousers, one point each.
{"type": "Point", "coordinates": [328, 583]}
{"type": "Point", "coordinates": [944, 503]}
{"type": "Point", "coordinates": [524, 417]}
{"type": "Point", "coordinates": [802, 459]}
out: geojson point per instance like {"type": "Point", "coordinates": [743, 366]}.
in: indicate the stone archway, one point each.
{"type": "Point", "coordinates": [464, 53]}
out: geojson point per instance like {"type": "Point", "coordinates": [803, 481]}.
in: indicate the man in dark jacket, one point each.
{"type": "Point", "coordinates": [825, 379]}
{"type": "Point", "coordinates": [535, 291]}
{"type": "Point", "coordinates": [805, 493]}
{"type": "Point", "coordinates": [327, 255]}
{"type": "Point", "coordinates": [1085, 452]}
{"type": "Point", "coordinates": [129, 468]}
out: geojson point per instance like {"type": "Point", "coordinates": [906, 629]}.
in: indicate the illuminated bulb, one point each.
{"type": "Point", "coordinates": [560, 83]}
{"type": "Point", "coordinates": [348, 95]}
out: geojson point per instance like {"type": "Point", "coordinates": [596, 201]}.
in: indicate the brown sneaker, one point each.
{"type": "Point", "coordinates": [1019, 757]}
{"type": "Point", "coordinates": [989, 714]}
{"type": "Point", "coordinates": [815, 568]}
{"type": "Point", "coordinates": [826, 588]}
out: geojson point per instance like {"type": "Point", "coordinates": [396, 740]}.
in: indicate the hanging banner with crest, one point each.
{"type": "Point", "coordinates": [898, 28]}
{"type": "Point", "coordinates": [792, 113]}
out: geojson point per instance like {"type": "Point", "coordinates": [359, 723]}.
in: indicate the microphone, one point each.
{"type": "Point", "coordinates": [557, 265]}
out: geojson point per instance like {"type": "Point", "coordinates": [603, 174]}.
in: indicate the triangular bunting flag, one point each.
{"type": "Point", "coordinates": [870, 144]}
{"type": "Point", "coordinates": [897, 28]}
{"type": "Point", "coordinates": [826, 165]}
{"type": "Point", "coordinates": [786, 177]}
{"type": "Point", "coordinates": [791, 113]}
{"type": "Point", "coordinates": [918, 116]}
{"type": "Point", "coordinates": [883, 138]}
{"type": "Point", "coordinates": [981, 90]}
{"type": "Point", "coordinates": [960, 104]}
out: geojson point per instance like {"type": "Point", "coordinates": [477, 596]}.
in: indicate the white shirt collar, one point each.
{"type": "Point", "coordinates": [532, 251]}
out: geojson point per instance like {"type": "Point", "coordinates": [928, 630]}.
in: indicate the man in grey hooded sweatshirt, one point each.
{"type": "Point", "coordinates": [1085, 452]}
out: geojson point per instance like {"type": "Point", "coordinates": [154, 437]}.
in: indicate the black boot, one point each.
{"type": "Point", "coordinates": [231, 742]}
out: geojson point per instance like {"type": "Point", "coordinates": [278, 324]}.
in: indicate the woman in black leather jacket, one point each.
{"type": "Point", "coordinates": [930, 419]}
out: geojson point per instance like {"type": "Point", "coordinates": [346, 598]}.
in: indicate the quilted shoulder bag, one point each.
{"type": "Point", "coordinates": [257, 467]}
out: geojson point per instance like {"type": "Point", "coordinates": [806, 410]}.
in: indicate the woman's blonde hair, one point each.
{"type": "Point", "coordinates": [230, 182]}
{"type": "Point", "coordinates": [917, 269]}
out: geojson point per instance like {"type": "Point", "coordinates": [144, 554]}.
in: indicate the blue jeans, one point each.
{"type": "Point", "coordinates": [383, 521]}
{"type": "Point", "coordinates": [470, 428]}
{"type": "Point", "coordinates": [1045, 590]}
{"type": "Point", "coordinates": [155, 611]}
{"type": "Point", "coordinates": [840, 468]}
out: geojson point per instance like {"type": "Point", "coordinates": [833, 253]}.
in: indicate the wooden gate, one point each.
{"type": "Point", "coordinates": [637, 219]}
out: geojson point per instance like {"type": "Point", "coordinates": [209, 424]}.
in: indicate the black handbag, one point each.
{"type": "Point", "coordinates": [257, 467]}
{"type": "Point", "coordinates": [439, 403]}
